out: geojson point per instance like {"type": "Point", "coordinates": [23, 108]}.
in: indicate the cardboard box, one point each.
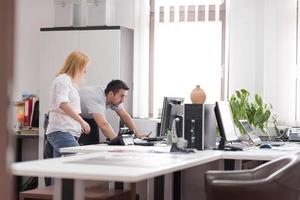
{"type": "Point", "coordinates": [99, 13]}
{"type": "Point", "coordinates": [80, 13]}
{"type": "Point", "coordinates": [63, 13]}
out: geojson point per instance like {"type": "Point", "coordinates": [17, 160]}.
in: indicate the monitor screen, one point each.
{"type": "Point", "coordinates": [225, 121]}
{"type": "Point", "coordinates": [246, 125]}
{"type": "Point", "coordinates": [172, 108]}
{"type": "Point", "coordinates": [250, 131]}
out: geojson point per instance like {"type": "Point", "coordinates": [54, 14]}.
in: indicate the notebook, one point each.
{"type": "Point", "coordinates": [253, 135]}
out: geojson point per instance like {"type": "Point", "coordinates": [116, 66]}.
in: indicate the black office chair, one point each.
{"type": "Point", "coordinates": [275, 180]}
{"type": "Point", "coordinates": [48, 149]}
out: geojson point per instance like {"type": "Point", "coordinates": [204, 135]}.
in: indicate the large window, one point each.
{"type": "Point", "coordinates": [187, 49]}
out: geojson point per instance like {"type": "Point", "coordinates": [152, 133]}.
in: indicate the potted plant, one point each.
{"type": "Point", "coordinates": [257, 113]}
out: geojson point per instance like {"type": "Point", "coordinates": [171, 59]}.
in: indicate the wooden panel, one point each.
{"type": "Point", "coordinates": [6, 65]}
{"type": "Point", "coordinates": [92, 193]}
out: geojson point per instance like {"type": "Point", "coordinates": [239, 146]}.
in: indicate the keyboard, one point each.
{"type": "Point", "coordinates": [154, 139]}
{"type": "Point", "coordinates": [267, 138]}
{"type": "Point", "coordinates": [274, 143]}
{"type": "Point", "coordinates": [237, 146]}
{"type": "Point", "coordinates": [144, 143]}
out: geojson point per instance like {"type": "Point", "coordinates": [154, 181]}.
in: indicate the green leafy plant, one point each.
{"type": "Point", "coordinates": [257, 113]}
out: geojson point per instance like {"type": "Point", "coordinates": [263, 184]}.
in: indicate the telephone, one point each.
{"type": "Point", "coordinates": [285, 134]}
{"type": "Point", "coordinates": [291, 134]}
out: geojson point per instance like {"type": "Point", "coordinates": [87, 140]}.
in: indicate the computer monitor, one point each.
{"type": "Point", "coordinates": [172, 108]}
{"type": "Point", "coordinates": [225, 121]}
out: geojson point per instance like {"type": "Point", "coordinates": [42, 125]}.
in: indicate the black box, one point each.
{"type": "Point", "coordinates": [200, 126]}
{"type": "Point", "coordinates": [193, 125]}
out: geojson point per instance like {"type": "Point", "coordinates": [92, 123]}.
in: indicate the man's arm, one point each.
{"type": "Point", "coordinates": [105, 127]}
{"type": "Point", "coordinates": [129, 121]}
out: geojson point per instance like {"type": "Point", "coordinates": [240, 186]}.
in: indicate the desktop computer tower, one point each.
{"type": "Point", "coordinates": [194, 125]}
{"type": "Point", "coordinates": [200, 126]}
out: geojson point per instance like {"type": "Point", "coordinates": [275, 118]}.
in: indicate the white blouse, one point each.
{"type": "Point", "coordinates": [62, 90]}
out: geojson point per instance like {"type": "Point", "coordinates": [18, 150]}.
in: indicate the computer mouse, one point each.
{"type": "Point", "coordinates": [190, 150]}
{"type": "Point", "coordinates": [265, 146]}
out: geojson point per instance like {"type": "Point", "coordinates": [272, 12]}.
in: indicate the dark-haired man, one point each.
{"type": "Point", "coordinates": [95, 100]}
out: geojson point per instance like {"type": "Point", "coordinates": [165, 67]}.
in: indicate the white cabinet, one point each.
{"type": "Point", "coordinates": [111, 53]}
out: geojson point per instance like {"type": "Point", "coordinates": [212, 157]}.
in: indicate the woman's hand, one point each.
{"type": "Point", "coordinates": [85, 127]}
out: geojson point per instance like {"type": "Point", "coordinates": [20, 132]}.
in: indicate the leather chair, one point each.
{"type": "Point", "coordinates": [278, 179]}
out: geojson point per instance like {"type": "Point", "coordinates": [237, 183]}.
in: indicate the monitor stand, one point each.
{"type": "Point", "coordinates": [221, 144]}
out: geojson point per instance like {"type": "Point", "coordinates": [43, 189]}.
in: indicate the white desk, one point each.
{"type": "Point", "coordinates": [103, 147]}
{"type": "Point", "coordinates": [251, 154]}
{"type": "Point", "coordinates": [131, 163]}
{"type": "Point", "coordinates": [263, 154]}
{"type": "Point", "coordinates": [112, 166]}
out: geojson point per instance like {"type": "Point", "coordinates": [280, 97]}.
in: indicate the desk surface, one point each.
{"type": "Point", "coordinates": [104, 147]}
{"type": "Point", "coordinates": [262, 154]}
{"type": "Point", "coordinates": [251, 154]}
{"type": "Point", "coordinates": [135, 163]}
{"type": "Point", "coordinates": [114, 166]}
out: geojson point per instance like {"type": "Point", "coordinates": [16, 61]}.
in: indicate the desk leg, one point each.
{"type": "Point", "coordinates": [229, 164]}
{"type": "Point", "coordinates": [159, 184]}
{"type": "Point", "coordinates": [133, 191]}
{"type": "Point", "coordinates": [150, 189]}
{"type": "Point", "coordinates": [233, 164]}
{"type": "Point", "coordinates": [79, 190]}
{"type": "Point", "coordinates": [119, 185]}
{"type": "Point", "coordinates": [221, 164]}
{"type": "Point", "coordinates": [57, 189]}
{"type": "Point", "coordinates": [238, 164]}
{"type": "Point", "coordinates": [177, 185]}
{"type": "Point", "coordinates": [67, 189]}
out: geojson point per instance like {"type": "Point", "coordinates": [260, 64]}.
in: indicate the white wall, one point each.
{"type": "Point", "coordinates": [263, 52]}
{"type": "Point", "coordinates": [31, 15]}
{"type": "Point", "coordinates": [124, 10]}
{"type": "Point", "coordinates": [242, 45]}
{"type": "Point", "coordinates": [280, 57]}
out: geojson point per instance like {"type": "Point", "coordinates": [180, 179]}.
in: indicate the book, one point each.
{"type": "Point", "coordinates": [27, 111]}
{"type": "Point", "coordinates": [34, 122]}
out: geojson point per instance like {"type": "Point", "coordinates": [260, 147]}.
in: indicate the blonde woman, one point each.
{"type": "Point", "coordinates": [65, 124]}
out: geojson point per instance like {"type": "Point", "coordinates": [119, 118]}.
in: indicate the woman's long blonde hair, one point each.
{"type": "Point", "coordinates": [74, 64]}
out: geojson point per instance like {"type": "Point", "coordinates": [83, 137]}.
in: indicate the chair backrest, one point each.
{"type": "Point", "coordinates": [48, 149]}
{"type": "Point", "coordinates": [275, 168]}
{"type": "Point", "coordinates": [46, 121]}
{"type": "Point", "coordinates": [278, 179]}
{"type": "Point", "coordinates": [290, 177]}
